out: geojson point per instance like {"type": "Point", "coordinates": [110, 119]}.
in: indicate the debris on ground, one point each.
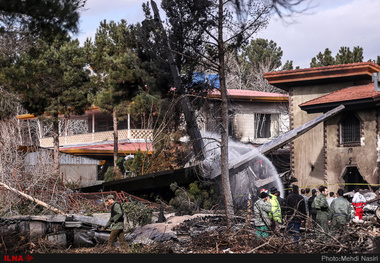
{"type": "Point", "coordinates": [205, 232]}
{"type": "Point", "coordinates": [159, 232]}
{"type": "Point", "coordinates": [210, 235]}
{"type": "Point", "coordinates": [60, 231]}
{"type": "Point", "coordinates": [199, 233]}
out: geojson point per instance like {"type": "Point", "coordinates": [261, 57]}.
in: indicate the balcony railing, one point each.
{"type": "Point", "coordinates": [106, 136]}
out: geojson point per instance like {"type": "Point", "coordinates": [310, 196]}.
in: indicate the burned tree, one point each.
{"type": "Point", "coordinates": [221, 30]}
{"type": "Point", "coordinates": [198, 36]}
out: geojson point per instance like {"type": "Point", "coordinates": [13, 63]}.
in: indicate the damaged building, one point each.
{"type": "Point", "coordinates": [79, 170]}
{"type": "Point", "coordinates": [343, 151]}
{"type": "Point", "coordinates": [256, 117]}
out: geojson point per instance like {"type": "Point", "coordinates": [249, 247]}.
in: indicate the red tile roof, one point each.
{"type": "Point", "coordinates": [347, 94]}
{"type": "Point", "coordinates": [106, 149]}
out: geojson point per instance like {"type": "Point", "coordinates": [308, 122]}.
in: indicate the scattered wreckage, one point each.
{"type": "Point", "coordinates": [74, 230]}
{"type": "Point", "coordinates": [60, 230]}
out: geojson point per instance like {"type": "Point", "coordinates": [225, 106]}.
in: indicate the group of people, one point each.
{"type": "Point", "coordinates": [271, 211]}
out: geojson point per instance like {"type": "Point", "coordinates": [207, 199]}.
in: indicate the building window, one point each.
{"type": "Point", "coordinates": [262, 125]}
{"type": "Point", "coordinates": [350, 130]}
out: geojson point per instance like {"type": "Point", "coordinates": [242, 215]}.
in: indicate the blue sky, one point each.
{"type": "Point", "coordinates": [326, 24]}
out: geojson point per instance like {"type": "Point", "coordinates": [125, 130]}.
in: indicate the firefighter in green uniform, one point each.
{"type": "Point", "coordinates": [262, 208]}
{"type": "Point", "coordinates": [339, 212]}
{"type": "Point", "coordinates": [322, 207]}
{"type": "Point", "coordinates": [116, 222]}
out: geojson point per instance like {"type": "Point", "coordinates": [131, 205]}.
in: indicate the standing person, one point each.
{"type": "Point", "coordinates": [358, 201]}
{"type": "Point", "coordinates": [275, 213]}
{"type": "Point", "coordinates": [307, 191]}
{"type": "Point", "coordinates": [262, 208]}
{"type": "Point", "coordinates": [116, 222]}
{"type": "Point", "coordinates": [281, 201]}
{"type": "Point", "coordinates": [312, 211]}
{"type": "Point", "coordinates": [295, 212]}
{"type": "Point", "coordinates": [339, 211]}
{"type": "Point", "coordinates": [320, 203]}
{"type": "Point", "coordinates": [303, 194]}
{"type": "Point", "coordinates": [332, 197]}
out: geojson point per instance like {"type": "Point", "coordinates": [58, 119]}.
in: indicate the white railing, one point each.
{"type": "Point", "coordinates": [106, 136]}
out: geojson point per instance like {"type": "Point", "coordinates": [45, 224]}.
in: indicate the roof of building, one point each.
{"type": "Point", "coordinates": [124, 148]}
{"type": "Point", "coordinates": [361, 71]}
{"type": "Point", "coordinates": [250, 95]}
{"type": "Point", "coordinates": [237, 94]}
{"type": "Point", "coordinates": [362, 96]}
{"type": "Point", "coordinates": [29, 116]}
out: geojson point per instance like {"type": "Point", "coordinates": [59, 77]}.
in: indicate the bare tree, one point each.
{"type": "Point", "coordinates": [241, 75]}
{"type": "Point", "coordinates": [221, 26]}
{"type": "Point", "coordinates": [28, 171]}
{"type": "Point", "coordinates": [222, 31]}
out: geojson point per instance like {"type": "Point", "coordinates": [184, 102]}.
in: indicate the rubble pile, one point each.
{"type": "Point", "coordinates": [200, 233]}
{"type": "Point", "coordinates": [210, 235]}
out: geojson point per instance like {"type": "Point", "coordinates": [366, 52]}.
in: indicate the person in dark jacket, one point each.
{"type": "Point", "coordinates": [116, 222]}
{"type": "Point", "coordinates": [295, 212]}
{"type": "Point", "coordinates": [312, 211]}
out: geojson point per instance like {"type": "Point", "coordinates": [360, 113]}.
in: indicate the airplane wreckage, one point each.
{"type": "Point", "coordinates": [72, 230]}
{"type": "Point", "coordinates": [78, 230]}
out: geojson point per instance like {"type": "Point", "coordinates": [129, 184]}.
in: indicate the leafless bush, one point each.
{"type": "Point", "coordinates": [29, 170]}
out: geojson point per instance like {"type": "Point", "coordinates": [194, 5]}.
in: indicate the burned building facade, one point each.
{"type": "Point", "coordinates": [343, 151]}
{"type": "Point", "coordinates": [255, 117]}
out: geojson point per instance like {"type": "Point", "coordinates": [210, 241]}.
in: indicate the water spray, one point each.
{"type": "Point", "coordinates": [259, 172]}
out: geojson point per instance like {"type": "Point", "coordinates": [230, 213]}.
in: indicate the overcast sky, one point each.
{"type": "Point", "coordinates": [326, 24]}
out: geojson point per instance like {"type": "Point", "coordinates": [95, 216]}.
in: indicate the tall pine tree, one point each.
{"type": "Point", "coordinates": [43, 18]}
{"type": "Point", "coordinates": [51, 79]}
{"type": "Point", "coordinates": [118, 71]}
{"type": "Point", "coordinates": [344, 56]}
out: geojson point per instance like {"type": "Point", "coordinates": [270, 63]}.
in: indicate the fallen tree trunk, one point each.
{"type": "Point", "coordinates": [55, 210]}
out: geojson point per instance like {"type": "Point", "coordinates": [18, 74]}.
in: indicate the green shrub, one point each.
{"type": "Point", "coordinates": [137, 214]}
{"type": "Point", "coordinates": [112, 174]}
{"type": "Point", "coordinates": [193, 199]}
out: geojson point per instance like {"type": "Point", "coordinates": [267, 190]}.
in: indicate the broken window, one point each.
{"type": "Point", "coordinates": [350, 130]}
{"type": "Point", "coordinates": [352, 177]}
{"type": "Point", "coordinates": [262, 125]}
